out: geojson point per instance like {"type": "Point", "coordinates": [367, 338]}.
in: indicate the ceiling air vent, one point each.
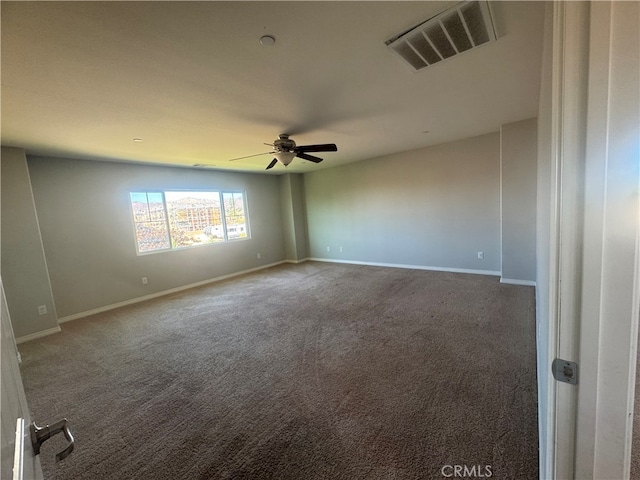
{"type": "Point", "coordinates": [458, 29]}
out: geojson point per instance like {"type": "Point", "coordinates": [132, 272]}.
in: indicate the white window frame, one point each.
{"type": "Point", "coordinates": [163, 192]}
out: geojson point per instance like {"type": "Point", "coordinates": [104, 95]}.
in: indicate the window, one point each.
{"type": "Point", "coordinates": [150, 219]}
{"type": "Point", "coordinates": [234, 215]}
{"type": "Point", "coordinates": [178, 219]}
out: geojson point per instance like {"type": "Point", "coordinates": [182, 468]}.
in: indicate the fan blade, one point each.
{"type": "Point", "coordinates": [271, 165]}
{"type": "Point", "coordinates": [327, 147]}
{"type": "Point", "coordinates": [249, 156]}
{"type": "Point", "coordinates": [311, 158]}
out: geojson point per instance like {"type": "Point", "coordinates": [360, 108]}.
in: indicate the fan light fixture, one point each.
{"type": "Point", "coordinates": [285, 158]}
{"type": "Point", "coordinates": [285, 150]}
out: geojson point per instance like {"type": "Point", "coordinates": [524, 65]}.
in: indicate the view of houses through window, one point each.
{"type": "Point", "coordinates": [178, 219]}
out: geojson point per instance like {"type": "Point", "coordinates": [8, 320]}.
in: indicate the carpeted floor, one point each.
{"type": "Point", "coordinates": [310, 371]}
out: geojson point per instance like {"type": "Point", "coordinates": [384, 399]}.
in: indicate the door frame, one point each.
{"type": "Point", "coordinates": [610, 307]}
{"type": "Point", "coordinates": [592, 287]}
{"type": "Point", "coordinates": [562, 130]}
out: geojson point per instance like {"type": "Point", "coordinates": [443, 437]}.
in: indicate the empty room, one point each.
{"type": "Point", "coordinates": [318, 240]}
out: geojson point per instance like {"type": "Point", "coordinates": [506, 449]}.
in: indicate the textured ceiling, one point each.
{"type": "Point", "coordinates": [82, 79]}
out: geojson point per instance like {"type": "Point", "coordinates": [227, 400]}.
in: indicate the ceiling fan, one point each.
{"type": "Point", "coordinates": [285, 150]}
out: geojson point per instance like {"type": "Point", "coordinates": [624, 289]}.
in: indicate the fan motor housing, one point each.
{"type": "Point", "coordinates": [284, 144]}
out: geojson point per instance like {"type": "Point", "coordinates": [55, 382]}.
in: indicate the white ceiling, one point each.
{"type": "Point", "coordinates": [82, 79]}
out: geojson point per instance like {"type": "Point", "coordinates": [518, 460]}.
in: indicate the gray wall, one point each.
{"type": "Point", "coordinates": [518, 179]}
{"type": "Point", "coordinates": [87, 230]}
{"type": "Point", "coordinates": [299, 216]}
{"type": "Point", "coordinates": [294, 224]}
{"type": "Point", "coordinates": [433, 207]}
{"type": "Point", "coordinates": [288, 225]}
{"type": "Point", "coordinates": [24, 268]}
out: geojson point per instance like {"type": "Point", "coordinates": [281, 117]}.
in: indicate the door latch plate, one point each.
{"type": "Point", "coordinates": [565, 371]}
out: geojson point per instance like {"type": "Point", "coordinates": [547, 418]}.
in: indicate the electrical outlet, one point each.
{"type": "Point", "coordinates": [340, 249]}
{"type": "Point", "coordinates": [328, 248]}
{"type": "Point", "coordinates": [145, 280]}
{"type": "Point", "coordinates": [259, 256]}
{"type": "Point", "coordinates": [42, 310]}
{"type": "Point", "coordinates": [480, 255]}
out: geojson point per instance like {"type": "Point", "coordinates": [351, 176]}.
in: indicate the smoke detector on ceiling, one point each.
{"type": "Point", "coordinates": [458, 29]}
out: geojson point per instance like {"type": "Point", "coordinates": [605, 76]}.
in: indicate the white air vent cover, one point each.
{"type": "Point", "coordinates": [458, 29]}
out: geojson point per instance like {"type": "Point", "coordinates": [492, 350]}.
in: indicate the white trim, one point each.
{"type": "Point", "coordinates": [302, 260]}
{"type": "Point", "coordinates": [610, 275]}
{"type": "Point", "coordinates": [411, 267]}
{"type": "Point", "coordinates": [162, 293]}
{"type": "Point", "coordinates": [513, 281]}
{"type": "Point", "coordinates": [18, 451]}
{"type": "Point", "coordinates": [40, 334]}
{"type": "Point", "coordinates": [569, 88]}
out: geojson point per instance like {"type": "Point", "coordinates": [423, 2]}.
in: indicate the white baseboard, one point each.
{"type": "Point", "coordinates": [513, 281]}
{"type": "Point", "coordinates": [40, 334]}
{"type": "Point", "coordinates": [162, 293]}
{"type": "Point", "coordinates": [297, 261]}
{"type": "Point", "coordinates": [411, 267]}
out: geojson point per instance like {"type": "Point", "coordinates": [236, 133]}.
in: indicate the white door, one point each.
{"type": "Point", "coordinates": [18, 460]}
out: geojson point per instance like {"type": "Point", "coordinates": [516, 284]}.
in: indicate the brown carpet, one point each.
{"type": "Point", "coordinates": [310, 371]}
